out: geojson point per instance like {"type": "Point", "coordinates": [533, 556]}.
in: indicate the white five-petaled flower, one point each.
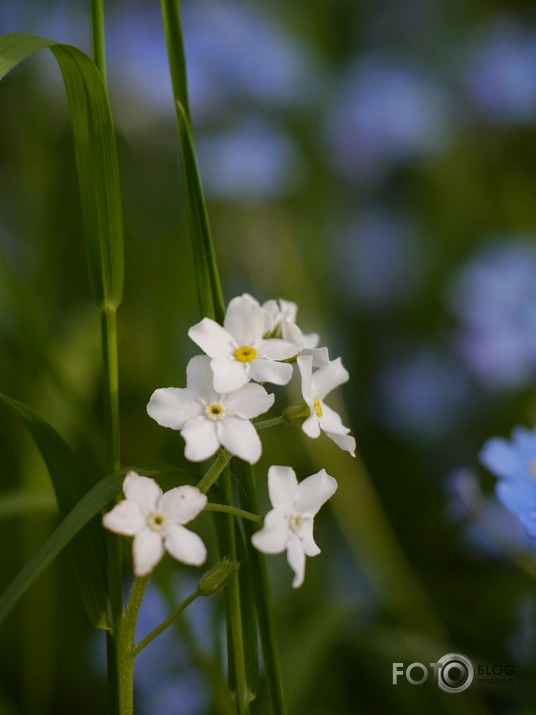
{"type": "Point", "coordinates": [289, 525]}
{"type": "Point", "coordinates": [315, 386]}
{"type": "Point", "coordinates": [239, 350]}
{"type": "Point", "coordinates": [207, 418]}
{"type": "Point", "coordinates": [156, 521]}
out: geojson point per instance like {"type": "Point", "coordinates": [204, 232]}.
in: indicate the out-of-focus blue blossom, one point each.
{"type": "Point", "coordinates": [514, 462]}
{"type": "Point", "coordinates": [252, 160]}
{"type": "Point", "coordinates": [385, 113]}
{"type": "Point", "coordinates": [235, 50]}
{"type": "Point", "coordinates": [500, 77]}
{"type": "Point", "coordinates": [489, 528]}
{"type": "Point", "coordinates": [421, 394]}
{"type": "Point", "coordinates": [494, 296]}
{"type": "Point", "coordinates": [380, 259]}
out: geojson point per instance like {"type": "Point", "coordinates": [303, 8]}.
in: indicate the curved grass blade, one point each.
{"type": "Point", "coordinates": [70, 485]}
{"type": "Point", "coordinates": [95, 155]}
{"type": "Point", "coordinates": [74, 522]}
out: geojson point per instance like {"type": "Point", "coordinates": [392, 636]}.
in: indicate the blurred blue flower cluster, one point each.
{"type": "Point", "coordinates": [494, 297]}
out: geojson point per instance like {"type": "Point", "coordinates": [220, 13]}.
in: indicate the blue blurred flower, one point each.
{"type": "Point", "coordinates": [236, 50]}
{"type": "Point", "coordinates": [385, 113]}
{"type": "Point", "coordinates": [421, 394]}
{"type": "Point", "coordinates": [514, 462]}
{"type": "Point", "coordinates": [380, 258]}
{"type": "Point", "coordinates": [500, 77]}
{"type": "Point", "coordinates": [494, 296]}
{"type": "Point", "coordinates": [489, 528]}
{"type": "Point", "coordinates": [252, 160]}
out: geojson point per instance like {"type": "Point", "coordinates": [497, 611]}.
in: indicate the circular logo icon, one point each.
{"type": "Point", "coordinates": [455, 673]}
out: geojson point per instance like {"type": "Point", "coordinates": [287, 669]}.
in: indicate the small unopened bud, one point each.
{"type": "Point", "coordinates": [216, 577]}
{"type": "Point", "coordinates": [296, 414]}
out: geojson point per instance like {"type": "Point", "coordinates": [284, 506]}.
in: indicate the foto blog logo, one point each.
{"type": "Point", "coordinates": [453, 673]}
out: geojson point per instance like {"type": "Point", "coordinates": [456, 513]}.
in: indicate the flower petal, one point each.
{"type": "Point", "coordinates": [329, 377]}
{"type": "Point", "coordinates": [184, 545]}
{"type": "Point", "coordinates": [143, 490]}
{"type": "Point", "coordinates": [229, 374]}
{"type": "Point", "coordinates": [211, 338]}
{"type": "Point", "coordinates": [201, 439]}
{"type": "Point", "coordinates": [276, 349]}
{"type": "Point", "coordinates": [273, 537]}
{"type": "Point", "coordinates": [305, 366]}
{"type": "Point", "coordinates": [249, 401]}
{"type": "Point", "coordinates": [262, 370]}
{"type": "Point", "coordinates": [331, 421]}
{"type": "Point", "coordinates": [282, 487]}
{"type": "Point", "coordinates": [147, 550]}
{"type": "Point", "coordinates": [173, 406]}
{"type": "Point", "coordinates": [499, 457]}
{"type": "Point", "coordinates": [344, 441]}
{"type": "Point", "coordinates": [314, 491]}
{"type": "Point", "coordinates": [246, 321]}
{"type": "Point", "coordinates": [240, 438]}
{"type": "Point", "coordinates": [306, 537]}
{"type": "Point", "coordinates": [200, 378]}
{"type": "Point", "coordinates": [182, 504]}
{"type": "Point", "coordinates": [311, 426]}
{"type": "Point", "coordinates": [125, 518]}
{"type": "Point", "coordinates": [296, 560]}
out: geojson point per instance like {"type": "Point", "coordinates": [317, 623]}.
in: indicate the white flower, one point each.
{"type": "Point", "coordinates": [156, 520]}
{"type": "Point", "coordinates": [239, 350]}
{"type": "Point", "coordinates": [289, 525]}
{"type": "Point", "coordinates": [284, 313]}
{"type": "Point", "coordinates": [207, 418]}
{"type": "Point", "coordinates": [315, 387]}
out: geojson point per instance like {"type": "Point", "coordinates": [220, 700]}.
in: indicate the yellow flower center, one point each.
{"type": "Point", "coordinates": [295, 522]}
{"type": "Point", "coordinates": [215, 411]}
{"type": "Point", "coordinates": [317, 407]}
{"type": "Point", "coordinates": [156, 520]}
{"type": "Point", "coordinates": [245, 353]}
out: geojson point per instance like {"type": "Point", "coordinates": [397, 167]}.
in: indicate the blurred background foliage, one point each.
{"type": "Point", "coordinates": [375, 163]}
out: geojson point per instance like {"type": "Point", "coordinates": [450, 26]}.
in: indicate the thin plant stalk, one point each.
{"type": "Point", "coordinates": [98, 44]}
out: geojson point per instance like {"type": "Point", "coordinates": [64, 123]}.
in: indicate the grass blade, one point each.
{"type": "Point", "coordinates": [74, 522]}
{"type": "Point", "coordinates": [95, 155]}
{"type": "Point", "coordinates": [70, 485]}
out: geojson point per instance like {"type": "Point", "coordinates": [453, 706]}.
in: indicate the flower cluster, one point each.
{"type": "Point", "coordinates": [224, 392]}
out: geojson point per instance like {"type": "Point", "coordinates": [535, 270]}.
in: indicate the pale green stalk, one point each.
{"type": "Point", "coordinates": [97, 36]}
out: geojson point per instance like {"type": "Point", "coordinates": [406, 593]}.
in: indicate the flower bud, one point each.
{"type": "Point", "coordinates": [296, 413]}
{"type": "Point", "coordinates": [216, 577]}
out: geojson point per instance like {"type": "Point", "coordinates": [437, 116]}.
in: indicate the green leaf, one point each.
{"type": "Point", "coordinates": [95, 155]}
{"type": "Point", "coordinates": [72, 525]}
{"type": "Point", "coordinates": [20, 503]}
{"type": "Point", "coordinates": [70, 485]}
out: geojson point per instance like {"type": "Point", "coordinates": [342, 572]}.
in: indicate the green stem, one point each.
{"type": "Point", "coordinates": [224, 508]}
{"type": "Point", "coordinates": [216, 468]}
{"type": "Point", "coordinates": [97, 36]}
{"type": "Point", "coordinates": [261, 588]}
{"type": "Point", "coordinates": [167, 622]}
{"type": "Point", "coordinates": [265, 424]}
{"type": "Point", "coordinates": [126, 651]}
{"type": "Point", "coordinates": [175, 48]}
{"type": "Point", "coordinates": [111, 388]}
{"type": "Point", "coordinates": [235, 630]}
{"type": "Point", "coordinates": [112, 463]}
